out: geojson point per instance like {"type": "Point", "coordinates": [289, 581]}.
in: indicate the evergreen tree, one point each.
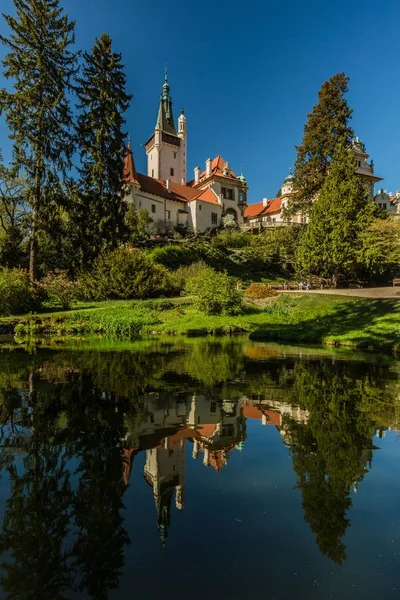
{"type": "Point", "coordinates": [327, 126]}
{"type": "Point", "coordinates": [102, 104]}
{"type": "Point", "coordinates": [331, 243]}
{"type": "Point", "coordinates": [41, 63]}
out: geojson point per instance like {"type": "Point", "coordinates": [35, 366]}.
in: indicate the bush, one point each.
{"type": "Point", "coordinates": [123, 274]}
{"type": "Point", "coordinates": [173, 256]}
{"type": "Point", "coordinates": [59, 289]}
{"type": "Point", "coordinates": [17, 295]}
{"type": "Point", "coordinates": [215, 293]}
{"type": "Point", "coordinates": [259, 291]}
{"type": "Point", "coordinates": [180, 277]}
{"type": "Point", "coordinates": [231, 239]}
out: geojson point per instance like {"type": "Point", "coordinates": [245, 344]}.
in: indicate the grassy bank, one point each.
{"type": "Point", "coordinates": [319, 319]}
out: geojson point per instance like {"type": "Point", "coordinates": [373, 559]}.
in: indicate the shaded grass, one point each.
{"type": "Point", "coordinates": [299, 318]}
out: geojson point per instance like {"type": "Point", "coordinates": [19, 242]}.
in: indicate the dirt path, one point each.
{"type": "Point", "coordinates": [378, 292]}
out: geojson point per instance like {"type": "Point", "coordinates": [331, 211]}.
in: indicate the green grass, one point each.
{"type": "Point", "coordinates": [299, 318]}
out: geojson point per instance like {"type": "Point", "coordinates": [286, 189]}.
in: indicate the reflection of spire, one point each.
{"type": "Point", "coordinates": [164, 514]}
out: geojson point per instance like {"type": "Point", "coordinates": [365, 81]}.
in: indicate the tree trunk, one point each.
{"type": "Point", "coordinates": [32, 254]}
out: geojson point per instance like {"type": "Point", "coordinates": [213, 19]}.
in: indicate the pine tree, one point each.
{"type": "Point", "coordinates": [326, 127]}
{"type": "Point", "coordinates": [331, 243]}
{"type": "Point", "coordinates": [102, 104]}
{"type": "Point", "coordinates": [41, 64]}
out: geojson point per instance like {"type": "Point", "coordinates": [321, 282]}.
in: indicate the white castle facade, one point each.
{"type": "Point", "coordinates": [216, 191]}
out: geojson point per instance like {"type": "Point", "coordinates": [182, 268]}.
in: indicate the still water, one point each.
{"type": "Point", "coordinates": [219, 469]}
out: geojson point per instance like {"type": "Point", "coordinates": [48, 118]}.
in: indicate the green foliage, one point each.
{"type": "Point", "coordinates": [231, 239]}
{"type": "Point", "coordinates": [380, 246]}
{"type": "Point", "coordinates": [259, 291]}
{"type": "Point", "coordinates": [331, 244]}
{"type": "Point", "coordinates": [326, 128]}
{"type": "Point", "coordinates": [125, 273]}
{"type": "Point", "coordinates": [181, 276]}
{"type": "Point", "coordinates": [13, 217]}
{"type": "Point", "coordinates": [41, 64]}
{"type": "Point", "coordinates": [17, 295]}
{"type": "Point", "coordinates": [215, 293]}
{"type": "Point", "coordinates": [59, 289]}
{"type": "Point", "coordinates": [173, 256]}
{"type": "Point", "coordinates": [138, 224]}
{"type": "Point", "coordinates": [100, 212]}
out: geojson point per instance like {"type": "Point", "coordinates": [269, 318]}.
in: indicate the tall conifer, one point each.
{"type": "Point", "coordinates": [40, 62]}
{"type": "Point", "coordinates": [102, 104]}
{"type": "Point", "coordinates": [327, 126]}
{"type": "Point", "coordinates": [330, 246]}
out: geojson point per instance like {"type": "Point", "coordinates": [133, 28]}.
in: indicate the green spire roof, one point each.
{"type": "Point", "coordinates": [165, 119]}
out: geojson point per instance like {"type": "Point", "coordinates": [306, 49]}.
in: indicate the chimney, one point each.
{"type": "Point", "coordinates": [168, 186]}
{"type": "Point", "coordinates": [196, 174]}
{"type": "Point", "coordinates": [208, 167]}
{"type": "Point", "coordinates": [265, 201]}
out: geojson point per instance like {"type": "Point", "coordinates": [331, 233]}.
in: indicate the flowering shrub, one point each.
{"type": "Point", "coordinates": [59, 289]}
{"type": "Point", "coordinates": [259, 291]}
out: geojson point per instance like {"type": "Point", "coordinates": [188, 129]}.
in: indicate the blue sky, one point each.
{"type": "Point", "coordinates": [247, 74]}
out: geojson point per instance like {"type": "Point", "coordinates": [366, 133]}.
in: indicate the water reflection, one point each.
{"type": "Point", "coordinates": [74, 422]}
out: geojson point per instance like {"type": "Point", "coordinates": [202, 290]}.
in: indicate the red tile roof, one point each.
{"type": "Point", "coordinates": [217, 168]}
{"type": "Point", "coordinates": [208, 196]}
{"type": "Point", "coordinates": [129, 174]}
{"type": "Point", "coordinates": [257, 209]}
{"type": "Point", "coordinates": [158, 187]}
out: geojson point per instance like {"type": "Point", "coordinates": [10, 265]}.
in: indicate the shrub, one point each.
{"type": "Point", "coordinates": [125, 273]}
{"type": "Point", "coordinates": [215, 293]}
{"type": "Point", "coordinates": [259, 291]}
{"type": "Point", "coordinates": [59, 289]}
{"type": "Point", "coordinates": [17, 295]}
{"type": "Point", "coordinates": [181, 276]}
{"type": "Point", "coordinates": [173, 256]}
{"type": "Point", "coordinates": [231, 239]}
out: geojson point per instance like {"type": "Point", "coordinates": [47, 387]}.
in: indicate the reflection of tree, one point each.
{"type": "Point", "coordinates": [96, 431]}
{"type": "Point", "coordinates": [331, 450]}
{"type": "Point", "coordinates": [37, 515]}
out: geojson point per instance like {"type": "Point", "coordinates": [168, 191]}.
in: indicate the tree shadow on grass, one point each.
{"type": "Point", "coordinates": [365, 323]}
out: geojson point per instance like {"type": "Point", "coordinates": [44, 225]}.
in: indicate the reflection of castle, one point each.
{"type": "Point", "coordinates": [215, 428]}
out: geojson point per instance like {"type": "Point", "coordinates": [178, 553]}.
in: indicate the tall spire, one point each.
{"type": "Point", "coordinates": [165, 119]}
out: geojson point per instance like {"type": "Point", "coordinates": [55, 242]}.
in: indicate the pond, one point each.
{"type": "Point", "coordinates": [205, 468]}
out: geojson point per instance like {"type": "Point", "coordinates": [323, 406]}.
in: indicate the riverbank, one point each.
{"type": "Point", "coordinates": [300, 318]}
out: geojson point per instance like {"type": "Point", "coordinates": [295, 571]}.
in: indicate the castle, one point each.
{"type": "Point", "coordinates": [165, 193]}
{"type": "Point", "coordinates": [216, 191]}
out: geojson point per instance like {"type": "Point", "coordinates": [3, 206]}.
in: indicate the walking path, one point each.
{"type": "Point", "coordinates": [377, 292]}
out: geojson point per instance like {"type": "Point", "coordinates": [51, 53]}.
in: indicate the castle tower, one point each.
{"type": "Point", "coordinates": [166, 149]}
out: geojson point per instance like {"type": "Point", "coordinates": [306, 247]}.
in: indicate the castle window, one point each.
{"type": "Point", "coordinates": [214, 219]}
{"type": "Point", "coordinates": [171, 172]}
{"type": "Point", "coordinates": [227, 193]}
{"type": "Point", "coordinates": [152, 172]}
{"type": "Point", "coordinates": [174, 154]}
{"type": "Point", "coordinates": [168, 214]}
{"type": "Point", "coordinates": [359, 163]}
{"type": "Point", "coordinates": [240, 195]}
{"type": "Point", "coordinates": [153, 208]}
{"type": "Point", "coordinates": [199, 206]}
